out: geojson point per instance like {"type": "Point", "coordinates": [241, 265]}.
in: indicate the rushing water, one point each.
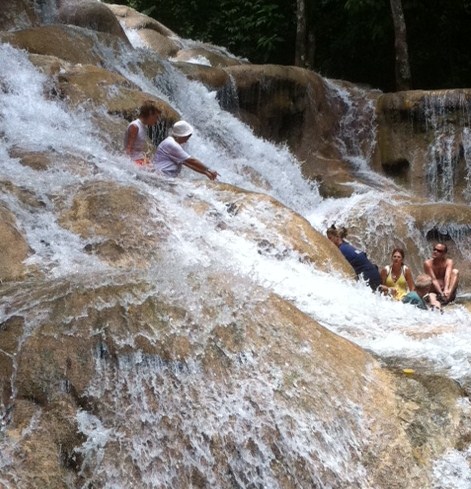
{"type": "Point", "coordinates": [28, 119]}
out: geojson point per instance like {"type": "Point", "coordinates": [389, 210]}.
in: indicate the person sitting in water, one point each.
{"type": "Point", "coordinates": [421, 297]}
{"type": "Point", "coordinates": [444, 277]}
{"type": "Point", "coordinates": [396, 279]}
{"type": "Point", "coordinates": [357, 259]}
{"type": "Point", "coordinates": [136, 139]}
{"type": "Point", "coordinates": [170, 156]}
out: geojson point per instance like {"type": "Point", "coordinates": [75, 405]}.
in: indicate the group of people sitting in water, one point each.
{"type": "Point", "coordinates": [434, 288]}
{"type": "Point", "coordinates": [170, 156]}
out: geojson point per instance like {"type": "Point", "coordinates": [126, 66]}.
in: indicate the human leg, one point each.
{"type": "Point", "coordinates": [454, 281]}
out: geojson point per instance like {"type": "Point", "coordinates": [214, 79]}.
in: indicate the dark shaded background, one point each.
{"type": "Point", "coordinates": [354, 39]}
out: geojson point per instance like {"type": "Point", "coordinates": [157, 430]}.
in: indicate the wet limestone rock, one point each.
{"type": "Point", "coordinates": [152, 33]}
{"type": "Point", "coordinates": [106, 350]}
{"type": "Point", "coordinates": [93, 15]}
{"type": "Point", "coordinates": [209, 54]}
{"type": "Point", "coordinates": [420, 140]}
{"type": "Point", "coordinates": [44, 456]}
{"type": "Point", "coordinates": [287, 104]}
{"type": "Point", "coordinates": [296, 232]}
{"type": "Point", "coordinates": [51, 66]}
{"type": "Point", "coordinates": [162, 45]}
{"type": "Point", "coordinates": [118, 222]}
{"type": "Point", "coordinates": [11, 332]}
{"type": "Point", "coordinates": [102, 88]}
{"type": "Point", "coordinates": [132, 19]}
{"type": "Point", "coordinates": [297, 107]}
{"type": "Point", "coordinates": [70, 43]}
{"type": "Point", "coordinates": [18, 14]}
{"type": "Point", "coordinates": [37, 160]}
{"type": "Point", "coordinates": [14, 248]}
{"type": "Point", "coordinates": [335, 177]}
{"type": "Point", "coordinates": [212, 78]}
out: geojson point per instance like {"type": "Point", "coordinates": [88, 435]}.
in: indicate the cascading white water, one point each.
{"type": "Point", "coordinates": [47, 10]}
{"type": "Point", "coordinates": [386, 328]}
{"type": "Point", "coordinates": [448, 116]}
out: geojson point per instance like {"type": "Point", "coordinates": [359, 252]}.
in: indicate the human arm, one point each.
{"type": "Point", "coordinates": [433, 301]}
{"type": "Point", "coordinates": [409, 279]}
{"type": "Point", "coordinates": [131, 138]}
{"type": "Point", "coordinates": [198, 166]}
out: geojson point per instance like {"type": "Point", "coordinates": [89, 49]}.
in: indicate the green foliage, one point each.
{"type": "Point", "coordinates": [248, 27]}
{"type": "Point", "coordinates": [354, 39]}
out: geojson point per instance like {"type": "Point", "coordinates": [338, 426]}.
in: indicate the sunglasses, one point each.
{"type": "Point", "coordinates": [437, 250]}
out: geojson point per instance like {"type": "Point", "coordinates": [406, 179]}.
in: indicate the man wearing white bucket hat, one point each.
{"type": "Point", "coordinates": [170, 156]}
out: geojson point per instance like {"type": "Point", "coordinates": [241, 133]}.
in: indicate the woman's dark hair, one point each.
{"type": "Point", "coordinates": [337, 232]}
{"type": "Point", "coordinates": [398, 250]}
{"type": "Point", "coordinates": [148, 108]}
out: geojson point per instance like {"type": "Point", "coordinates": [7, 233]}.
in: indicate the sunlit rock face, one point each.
{"type": "Point", "coordinates": [132, 19]}
{"type": "Point", "coordinates": [70, 43]}
{"type": "Point", "coordinates": [92, 15]}
{"type": "Point", "coordinates": [13, 247]}
{"type": "Point", "coordinates": [113, 221]}
{"type": "Point", "coordinates": [81, 84]}
{"type": "Point", "coordinates": [204, 396]}
{"type": "Point", "coordinates": [424, 141]}
{"type": "Point", "coordinates": [151, 33]}
{"type": "Point", "coordinates": [208, 54]}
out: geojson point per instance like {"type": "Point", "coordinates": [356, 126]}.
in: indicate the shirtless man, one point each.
{"type": "Point", "coordinates": [444, 276]}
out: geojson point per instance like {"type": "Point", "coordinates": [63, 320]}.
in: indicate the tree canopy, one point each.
{"type": "Point", "coordinates": [352, 39]}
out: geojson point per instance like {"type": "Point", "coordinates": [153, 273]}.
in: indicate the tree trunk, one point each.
{"type": "Point", "coordinates": [300, 54]}
{"type": "Point", "coordinates": [403, 74]}
{"type": "Point", "coordinates": [304, 54]}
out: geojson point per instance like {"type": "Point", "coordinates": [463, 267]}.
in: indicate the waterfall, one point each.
{"type": "Point", "coordinates": [171, 420]}
{"type": "Point", "coordinates": [448, 119]}
{"type": "Point", "coordinates": [357, 132]}
{"type": "Point", "coordinates": [47, 10]}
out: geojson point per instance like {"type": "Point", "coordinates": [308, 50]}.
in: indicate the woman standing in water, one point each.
{"type": "Point", "coordinates": [357, 259]}
{"type": "Point", "coordinates": [135, 138]}
{"type": "Point", "coordinates": [396, 279]}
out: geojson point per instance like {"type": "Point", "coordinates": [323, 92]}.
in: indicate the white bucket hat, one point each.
{"type": "Point", "coordinates": [181, 129]}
